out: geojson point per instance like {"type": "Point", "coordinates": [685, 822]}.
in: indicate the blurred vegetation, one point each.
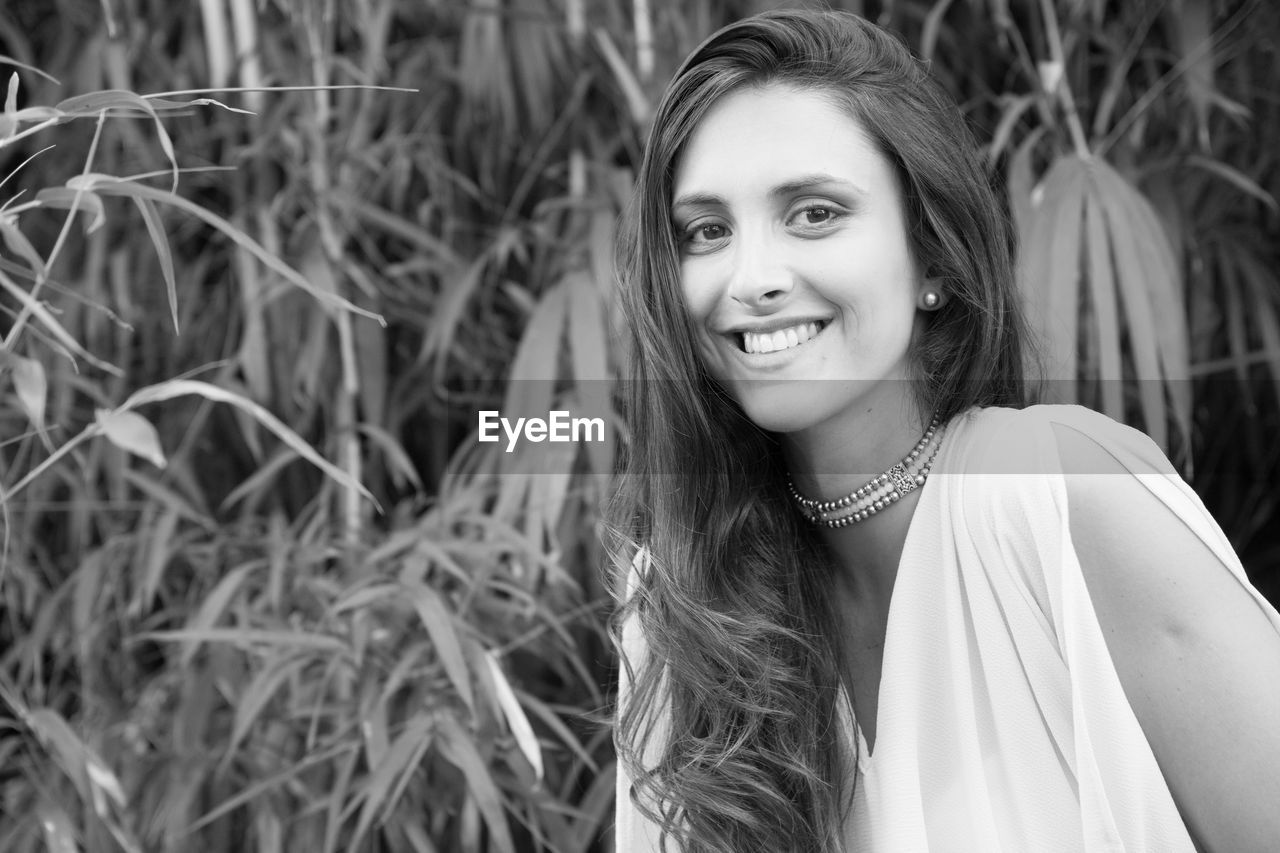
{"type": "Point", "coordinates": [261, 589]}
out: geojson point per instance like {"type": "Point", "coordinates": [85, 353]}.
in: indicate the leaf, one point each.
{"type": "Point", "coordinates": [1050, 271]}
{"type": "Point", "coordinates": [132, 433]}
{"type": "Point", "coordinates": [214, 605]}
{"type": "Point", "coordinates": [20, 245]}
{"type": "Point", "coordinates": [1106, 313]}
{"type": "Point", "coordinates": [1194, 28]}
{"type": "Point", "coordinates": [447, 313]}
{"type": "Point", "coordinates": [456, 746]}
{"type": "Point", "coordinates": [181, 387]}
{"type": "Point", "coordinates": [155, 228]}
{"type": "Point", "coordinates": [104, 780]}
{"type": "Point", "coordinates": [399, 465]}
{"type": "Point", "coordinates": [588, 349]}
{"type": "Point", "coordinates": [516, 719]}
{"type": "Point", "coordinates": [533, 369]}
{"type": "Point", "coordinates": [250, 636]}
{"type": "Point", "coordinates": [63, 337]}
{"type": "Point", "coordinates": [68, 750]}
{"type": "Point", "coordinates": [31, 386]}
{"type": "Point", "coordinates": [1235, 177]}
{"type": "Point", "coordinates": [438, 621]}
{"type": "Point", "coordinates": [1145, 276]}
{"type": "Point", "coordinates": [160, 548]}
{"type": "Point", "coordinates": [402, 759]}
{"type": "Point", "coordinates": [259, 692]}
{"type": "Point", "coordinates": [8, 60]}
{"type": "Point", "coordinates": [59, 835]}
{"type": "Point", "coordinates": [95, 103]}
{"type": "Point", "coordinates": [932, 24]}
{"type": "Point", "coordinates": [107, 185]}
{"type": "Point", "coordinates": [70, 198]}
{"type": "Point", "coordinates": [637, 102]}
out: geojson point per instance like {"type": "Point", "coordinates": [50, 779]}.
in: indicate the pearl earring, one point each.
{"type": "Point", "coordinates": [930, 300]}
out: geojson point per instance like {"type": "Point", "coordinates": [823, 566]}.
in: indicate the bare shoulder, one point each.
{"type": "Point", "coordinates": [1197, 656]}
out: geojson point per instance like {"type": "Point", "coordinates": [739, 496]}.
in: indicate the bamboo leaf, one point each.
{"type": "Point", "coordinates": [516, 719]}
{"type": "Point", "coordinates": [1050, 270]}
{"type": "Point", "coordinates": [534, 368]}
{"type": "Point", "coordinates": [1235, 177]}
{"type": "Point", "coordinates": [932, 25]}
{"type": "Point", "coordinates": [107, 185]}
{"type": "Point", "coordinates": [588, 349]}
{"type": "Point", "coordinates": [259, 479]}
{"type": "Point", "coordinates": [402, 759]}
{"type": "Point", "coordinates": [212, 608]}
{"type": "Point", "coordinates": [1191, 20]}
{"type": "Point", "coordinates": [70, 198]}
{"type": "Point", "coordinates": [552, 721]}
{"type": "Point", "coordinates": [1105, 309]}
{"type": "Point", "coordinates": [251, 636]}
{"type": "Point", "coordinates": [1132, 275]}
{"type": "Point", "coordinates": [160, 549]}
{"type": "Point", "coordinates": [399, 465]}
{"type": "Point", "coordinates": [438, 621]}
{"type": "Point", "coordinates": [31, 386]}
{"type": "Point", "coordinates": [457, 747]}
{"type": "Point", "coordinates": [448, 313]}
{"type": "Point", "coordinates": [155, 228]}
{"type": "Point", "coordinates": [59, 835]}
{"type": "Point", "coordinates": [169, 498]}
{"type": "Point", "coordinates": [8, 60]}
{"type": "Point", "coordinates": [21, 246]}
{"type": "Point", "coordinates": [132, 433]}
{"type": "Point", "coordinates": [260, 691]}
{"type": "Point", "coordinates": [68, 750]}
{"type": "Point", "coordinates": [182, 387]}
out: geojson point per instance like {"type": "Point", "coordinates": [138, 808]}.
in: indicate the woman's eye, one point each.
{"type": "Point", "coordinates": [816, 215]}
{"type": "Point", "coordinates": [706, 232]}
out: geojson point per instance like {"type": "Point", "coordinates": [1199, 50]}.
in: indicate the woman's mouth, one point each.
{"type": "Point", "coordinates": [786, 338]}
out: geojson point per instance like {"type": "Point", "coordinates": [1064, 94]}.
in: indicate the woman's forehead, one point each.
{"type": "Point", "coordinates": [756, 140]}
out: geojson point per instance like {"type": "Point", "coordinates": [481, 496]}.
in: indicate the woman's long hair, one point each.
{"type": "Point", "coordinates": [732, 595]}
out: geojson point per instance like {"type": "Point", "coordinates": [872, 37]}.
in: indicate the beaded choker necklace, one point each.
{"type": "Point", "coordinates": [878, 492]}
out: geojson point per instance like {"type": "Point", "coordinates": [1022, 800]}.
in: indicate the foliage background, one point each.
{"type": "Point", "coordinates": [236, 650]}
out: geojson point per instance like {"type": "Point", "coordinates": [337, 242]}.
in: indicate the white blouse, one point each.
{"type": "Point", "coordinates": [1002, 726]}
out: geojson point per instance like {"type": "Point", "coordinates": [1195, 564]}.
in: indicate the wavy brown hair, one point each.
{"type": "Point", "coordinates": [741, 663]}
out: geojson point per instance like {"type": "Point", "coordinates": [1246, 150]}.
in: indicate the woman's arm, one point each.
{"type": "Point", "coordinates": [1198, 658]}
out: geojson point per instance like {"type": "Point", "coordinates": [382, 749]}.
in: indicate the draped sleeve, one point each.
{"type": "Point", "coordinates": [633, 832]}
{"type": "Point", "coordinates": [1003, 725]}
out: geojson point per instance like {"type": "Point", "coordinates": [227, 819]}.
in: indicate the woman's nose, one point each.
{"type": "Point", "coordinates": [759, 277]}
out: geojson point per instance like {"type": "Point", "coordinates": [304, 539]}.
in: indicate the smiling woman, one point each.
{"type": "Point", "coordinates": [768, 220]}
{"type": "Point", "coordinates": [870, 598]}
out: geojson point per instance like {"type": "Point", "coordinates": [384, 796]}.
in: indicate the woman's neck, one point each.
{"type": "Point", "coordinates": [832, 459]}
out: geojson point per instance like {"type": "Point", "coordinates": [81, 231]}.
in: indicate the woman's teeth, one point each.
{"type": "Point", "coordinates": [793, 336]}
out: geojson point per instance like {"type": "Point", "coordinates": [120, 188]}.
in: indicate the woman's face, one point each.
{"type": "Point", "coordinates": [795, 260]}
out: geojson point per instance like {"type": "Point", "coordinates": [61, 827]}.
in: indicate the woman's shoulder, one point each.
{"type": "Point", "coordinates": [1053, 439]}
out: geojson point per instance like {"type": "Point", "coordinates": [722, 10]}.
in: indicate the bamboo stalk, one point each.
{"type": "Point", "coordinates": [643, 20]}
{"type": "Point", "coordinates": [244, 22]}
{"type": "Point", "coordinates": [217, 46]}
{"type": "Point", "coordinates": [349, 459]}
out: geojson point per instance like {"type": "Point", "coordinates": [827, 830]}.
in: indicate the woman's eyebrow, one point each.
{"type": "Point", "coordinates": [696, 200]}
{"type": "Point", "coordinates": [796, 186]}
{"type": "Point", "coordinates": [817, 180]}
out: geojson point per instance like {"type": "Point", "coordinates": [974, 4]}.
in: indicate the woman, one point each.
{"type": "Point", "coordinates": [818, 282]}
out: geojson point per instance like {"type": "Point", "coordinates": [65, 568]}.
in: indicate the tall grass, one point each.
{"type": "Point", "coordinates": [261, 588]}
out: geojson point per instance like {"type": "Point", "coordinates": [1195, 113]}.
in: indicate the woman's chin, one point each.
{"type": "Point", "coordinates": [784, 407]}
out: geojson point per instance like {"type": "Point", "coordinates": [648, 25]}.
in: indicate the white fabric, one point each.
{"type": "Point", "coordinates": [1002, 726]}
